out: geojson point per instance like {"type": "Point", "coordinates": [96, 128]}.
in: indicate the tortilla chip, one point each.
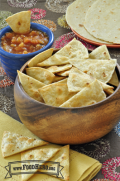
{"type": "Point", "coordinates": [44, 154]}
{"type": "Point", "coordinates": [13, 143]}
{"type": "Point", "coordinates": [56, 94]}
{"type": "Point", "coordinates": [31, 86]}
{"type": "Point", "coordinates": [20, 22]}
{"type": "Point", "coordinates": [101, 53]}
{"type": "Point", "coordinates": [41, 74]}
{"type": "Point", "coordinates": [109, 91]}
{"type": "Point", "coordinates": [55, 69]}
{"type": "Point", "coordinates": [64, 73]}
{"type": "Point", "coordinates": [77, 80]}
{"type": "Point", "coordinates": [89, 95]}
{"type": "Point", "coordinates": [114, 79]}
{"type": "Point", "coordinates": [58, 78]}
{"type": "Point", "coordinates": [40, 57]}
{"type": "Point", "coordinates": [74, 49]}
{"type": "Point", "coordinates": [99, 69]}
{"type": "Point", "coordinates": [62, 157]}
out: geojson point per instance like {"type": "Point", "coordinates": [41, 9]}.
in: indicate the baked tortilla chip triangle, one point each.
{"type": "Point", "coordinates": [64, 73]}
{"type": "Point", "coordinates": [13, 143]}
{"type": "Point", "coordinates": [41, 74]}
{"type": "Point", "coordinates": [101, 53]}
{"type": "Point", "coordinates": [77, 80]}
{"type": "Point", "coordinates": [114, 79]}
{"type": "Point", "coordinates": [89, 95]}
{"type": "Point", "coordinates": [56, 94]}
{"type": "Point", "coordinates": [20, 22]}
{"type": "Point", "coordinates": [58, 78]}
{"type": "Point", "coordinates": [99, 69]}
{"type": "Point", "coordinates": [61, 157]}
{"type": "Point", "coordinates": [74, 49]}
{"type": "Point", "coordinates": [31, 86]}
{"type": "Point", "coordinates": [40, 57]}
{"type": "Point", "coordinates": [43, 154]}
{"type": "Point", "coordinates": [55, 69]}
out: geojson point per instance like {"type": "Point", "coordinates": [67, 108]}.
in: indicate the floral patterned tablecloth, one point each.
{"type": "Point", "coordinates": [51, 13]}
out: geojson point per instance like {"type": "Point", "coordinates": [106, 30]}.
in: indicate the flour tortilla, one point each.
{"type": "Point", "coordinates": [40, 57]}
{"type": "Point", "coordinates": [89, 95]}
{"type": "Point", "coordinates": [40, 74]}
{"type": "Point", "coordinates": [99, 69]}
{"type": "Point", "coordinates": [77, 80]}
{"type": "Point", "coordinates": [20, 22]}
{"type": "Point", "coordinates": [31, 86]}
{"type": "Point", "coordinates": [44, 154]}
{"type": "Point", "coordinates": [74, 49]}
{"type": "Point", "coordinates": [75, 17]}
{"type": "Point", "coordinates": [102, 20]}
{"type": "Point", "coordinates": [55, 94]}
{"type": "Point", "coordinates": [13, 143]}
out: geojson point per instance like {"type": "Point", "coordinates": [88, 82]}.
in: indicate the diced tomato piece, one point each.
{"type": "Point", "coordinates": [38, 46]}
{"type": "Point", "coordinates": [13, 45]}
{"type": "Point", "coordinates": [25, 52]}
{"type": "Point", "coordinates": [14, 40]}
{"type": "Point", "coordinates": [41, 42]}
{"type": "Point", "coordinates": [34, 41]}
{"type": "Point", "coordinates": [19, 40]}
{"type": "Point", "coordinates": [18, 49]}
{"type": "Point", "coordinates": [27, 40]}
{"type": "Point", "coordinates": [21, 44]}
{"type": "Point", "coordinates": [9, 35]}
{"type": "Point", "coordinates": [33, 33]}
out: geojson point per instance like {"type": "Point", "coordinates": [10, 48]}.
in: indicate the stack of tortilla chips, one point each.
{"type": "Point", "coordinates": [13, 143]}
{"type": "Point", "coordinates": [71, 77]}
{"type": "Point", "coordinates": [22, 149]}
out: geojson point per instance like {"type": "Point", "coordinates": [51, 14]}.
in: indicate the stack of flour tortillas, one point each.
{"type": "Point", "coordinates": [96, 20]}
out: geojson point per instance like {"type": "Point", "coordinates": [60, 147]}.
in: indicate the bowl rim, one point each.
{"type": "Point", "coordinates": [67, 108]}
{"type": "Point", "coordinates": [41, 28]}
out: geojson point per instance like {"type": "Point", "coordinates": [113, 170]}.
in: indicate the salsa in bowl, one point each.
{"type": "Point", "coordinates": [11, 62]}
{"type": "Point", "coordinates": [24, 43]}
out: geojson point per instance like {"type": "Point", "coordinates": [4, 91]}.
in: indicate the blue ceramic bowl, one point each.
{"type": "Point", "coordinates": [13, 62]}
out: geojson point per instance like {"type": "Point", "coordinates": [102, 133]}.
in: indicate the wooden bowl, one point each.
{"type": "Point", "coordinates": [67, 125]}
